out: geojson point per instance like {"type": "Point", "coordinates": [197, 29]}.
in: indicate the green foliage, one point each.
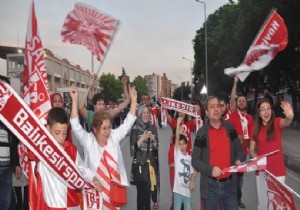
{"type": "Point", "coordinates": [182, 93]}
{"type": "Point", "coordinates": [230, 31]}
{"type": "Point", "coordinates": [111, 87]}
{"type": "Point", "coordinates": [140, 85]}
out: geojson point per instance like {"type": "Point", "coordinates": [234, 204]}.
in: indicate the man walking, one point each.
{"type": "Point", "coordinates": [216, 147]}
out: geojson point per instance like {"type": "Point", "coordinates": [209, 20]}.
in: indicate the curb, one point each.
{"type": "Point", "coordinates": [292, 162]}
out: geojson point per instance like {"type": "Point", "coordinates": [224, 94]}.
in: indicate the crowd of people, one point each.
{"type": "Point", "coordinates": [228, 136]}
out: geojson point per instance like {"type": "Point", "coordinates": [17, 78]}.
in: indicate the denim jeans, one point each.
{"type": "Point", "coordinates": [240, 181]}
{"type": "Point", "coordinates": [179, 199]}
{"type": "Point", "coordinates": [220, 192]}
{"type": "Point", "coordinates": [5, 188]}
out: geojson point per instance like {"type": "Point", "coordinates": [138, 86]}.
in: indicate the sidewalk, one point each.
{"type": "Point", "coordinates": [291, 147]}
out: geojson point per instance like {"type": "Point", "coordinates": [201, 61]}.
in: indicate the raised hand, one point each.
{"type": "Point", "coordinates": [74, 93]}
{"type": "Point", "coordinates": [287, 109]}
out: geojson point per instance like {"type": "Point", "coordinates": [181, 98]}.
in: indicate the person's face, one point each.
{"type": "Point", "coordinates": [213, 111]}
{"type": "Point", "coordinates": [182, 146]}
{"type": "Point", "coordinates": [241, 103]}
{"type": "Point", "coordinates": [99, 106]}
{"type": "Point", "coordinates": [181, 114]}
{"type": "Point", "coordinates": [145, 99]}
{"type": "Point", "coordinates": [223, 108]}
{"type": "Point", "coordinates": [59, 131]}
{"type": "Point", "coordinates": [265, 112]}
{"type": "Point", "coordinates": [102, 133]}
{"type": "Point", "coordinates": [57, 101]}
{"type": "Point", "coordinates": [145, 115]}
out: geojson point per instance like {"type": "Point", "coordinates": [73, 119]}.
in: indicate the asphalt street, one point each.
{"type": "Point", "coordinates": [249, 188]}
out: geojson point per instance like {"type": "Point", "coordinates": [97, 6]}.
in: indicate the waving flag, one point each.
{"type": "Point", "coordinates": [256, 164]}
{"type": "Point", "coordinates": [35, 93]}
{"type": "Point", "coordinates": [90, 27]}
{"type": "Point", "coordinates": [271, 39]}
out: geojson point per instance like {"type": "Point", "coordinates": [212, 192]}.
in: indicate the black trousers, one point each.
{"type": "Point", "coordinates": [144, 196]}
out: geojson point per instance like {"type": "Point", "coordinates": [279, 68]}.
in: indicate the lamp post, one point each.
{"type": "Point", "coordinates": [205, 29]}
{"type": "Point", "coordinates": [191, 66]}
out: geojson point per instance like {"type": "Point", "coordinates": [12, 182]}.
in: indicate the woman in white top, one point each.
{"type": "Point", "coordinates": [102, 153]}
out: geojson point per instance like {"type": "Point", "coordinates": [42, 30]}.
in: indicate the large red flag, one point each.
{"type": "Point", "coordinates": [35, 93]}
{"type": "Point", "coordinates": [271, 39]}
{"type": "Point", "coordinates": [90, 27]}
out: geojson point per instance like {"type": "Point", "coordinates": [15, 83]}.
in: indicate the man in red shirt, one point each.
{"type": "Point", "coordinates": [216, 147]}
{"type": "Point", "coordinates": [243, 124]}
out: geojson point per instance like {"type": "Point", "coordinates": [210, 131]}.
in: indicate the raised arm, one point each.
{"type": "Point", "coordinates": [74, 96]}
{"type": "Point", "coordinates": [233, 94]}
{"type": "Point", "coordinates": [82, 109]}
{"type": "Point", "coordinates": [288, 112]}
{"type": "Point", "coordinates": [178, 131]}
{"type": "Point", "coordinates": [123, 105]}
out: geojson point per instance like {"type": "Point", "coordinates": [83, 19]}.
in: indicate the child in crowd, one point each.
{"type": "Point", "coordinates": [54, 194]}
{"type": "Point", "coordinates": [184, 173]}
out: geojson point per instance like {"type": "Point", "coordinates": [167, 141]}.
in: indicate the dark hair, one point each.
{"type": "Point", "coordinates": [57, 115]}
{"type": "Point", "coordinates": [258, 121]}
{"type": "Point", "coordinates": [98, 97]}
{"type": "Point", "coordinates": [182, 138]}
{"type": "Point", "coordinates": [208, 99]}
{"type": "Point", "coordinates": [223, 96]}
{"type": "Point", "coordinates": [5, 79]}
{"type": "Point", "coordinates": [241, 95]}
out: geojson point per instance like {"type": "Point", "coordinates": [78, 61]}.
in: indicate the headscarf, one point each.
{"type": "Point", "coordinates": [140, 125]}
{"type": "Point", "coordinates": [53, 95]}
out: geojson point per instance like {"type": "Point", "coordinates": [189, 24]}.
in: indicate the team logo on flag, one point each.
{"type": "Point", "coordinates": [271, 39]}
{"type": "Point", "coordinates": [90, 27]}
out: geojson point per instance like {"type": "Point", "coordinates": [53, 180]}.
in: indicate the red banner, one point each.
{"type": "Point", "coordinates": [273, 194]}
{"type": "Point", "coordinates": [36, 94]}
{"type": "Point", "coordinates": [20, 119]}
{"type": "Point", "coordinates": [90, 27]}
{"type": "Point", "coordinates": [272, 38]}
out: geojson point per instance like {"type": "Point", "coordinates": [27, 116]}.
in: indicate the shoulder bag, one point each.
{"type": "Point", "coordinates": [117, 193]}
{"type": "Point", "coordinates": [139, 170]}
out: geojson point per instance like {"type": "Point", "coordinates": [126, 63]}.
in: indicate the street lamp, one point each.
{"type": "Point", "coordinates": [205, 28]}
{"type": "Point", "coordinates": [191, 65]}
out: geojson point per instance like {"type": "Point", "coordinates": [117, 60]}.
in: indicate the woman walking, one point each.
{"type": "Point", "coordinates": [144, 147]}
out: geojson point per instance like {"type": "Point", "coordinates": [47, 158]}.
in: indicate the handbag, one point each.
{"type": "Point", "coordinates": [117, 193]}
{"type": "Point", "coordinates": [140, 171]}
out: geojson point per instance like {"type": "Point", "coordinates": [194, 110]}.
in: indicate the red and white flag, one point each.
{"type": "Point", "coordinates": [35, 93]}
{"type": "Point", "coordinates": [273, 194]}
{"type": "Point", "coordinates": [258, 163]}
{"type": "Point", "coordinates": [271, 39]}
{"type": "Point", "coordinates": [88, 26]}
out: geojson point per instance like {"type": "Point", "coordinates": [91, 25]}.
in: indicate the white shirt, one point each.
{"type": "Point", "coordinates": [183, 172]}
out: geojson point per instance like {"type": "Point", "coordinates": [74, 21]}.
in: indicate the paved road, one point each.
{"type": "Point", "coordinates": [249, 189]}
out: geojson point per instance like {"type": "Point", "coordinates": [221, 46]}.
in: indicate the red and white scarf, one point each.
{"type": "Point", "coordinates": [172, 104]}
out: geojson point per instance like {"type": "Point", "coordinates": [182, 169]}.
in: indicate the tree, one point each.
{"type": "Point", "coordinates": [182, 92]}
{"type": "Point", "coordinates": [140, 85]}
{"type": "Point", "coordinates": [230, 31]}
{"type": "Point", "coordinates": [111, 87]}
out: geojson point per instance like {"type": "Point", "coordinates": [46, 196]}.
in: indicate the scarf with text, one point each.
{"type": "Point", "coordinates": [24, 124]}
{"type": "Point", "coordinates": [172, 104]}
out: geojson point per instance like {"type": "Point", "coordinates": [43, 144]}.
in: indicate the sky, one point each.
{"type": "Point", "coordinates": [153, 36]}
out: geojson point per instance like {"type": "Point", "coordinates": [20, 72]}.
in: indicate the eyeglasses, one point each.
{"type": "Point", "coordinates": [265, 110]}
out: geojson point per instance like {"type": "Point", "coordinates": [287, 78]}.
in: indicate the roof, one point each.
{"type": "Point", "coordinates": [4, 50]}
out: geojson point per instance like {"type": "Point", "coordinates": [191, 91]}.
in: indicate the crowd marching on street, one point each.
{"type": "Point", "coordinates": [227, 137]}
{"type": "Point", "coordinates": [59, 151]}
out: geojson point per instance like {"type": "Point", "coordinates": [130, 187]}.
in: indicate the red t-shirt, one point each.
{"type": "Point", "coordinates": [235, 119]}
{"type": "Point", "coordinates": [189, 126]}
{"type": "Point", "coordinates": [219, 148]}
{"type": "Point", "coordinates": [275, 162]}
